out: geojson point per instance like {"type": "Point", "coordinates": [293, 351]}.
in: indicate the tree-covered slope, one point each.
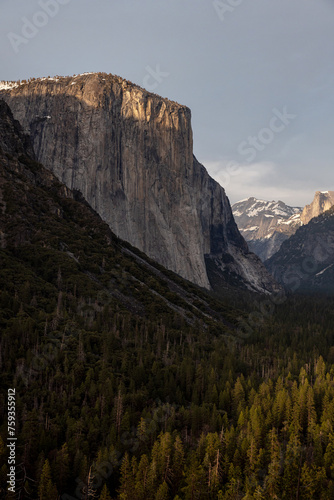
{"type": "Point", "coordinates": [133, 384]}
{"type": "Point", "coordinates": [61, 244]}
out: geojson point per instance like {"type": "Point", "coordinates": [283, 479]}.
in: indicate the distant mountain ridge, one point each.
{"type": "Point", "coordinates": [130, 153]}
{"type": "Point", "coordinates": [265, 224]}
{"type": "Point", "coordinates": [305, 262]}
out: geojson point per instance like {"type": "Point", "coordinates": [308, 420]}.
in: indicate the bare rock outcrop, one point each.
{"type": "Point", "coordinates": [323, 201]}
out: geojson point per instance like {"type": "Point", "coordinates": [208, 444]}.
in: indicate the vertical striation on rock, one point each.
{"type": "Point", "coordinates": [130, 153]}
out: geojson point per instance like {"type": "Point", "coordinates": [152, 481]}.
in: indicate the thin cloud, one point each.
{"type": "Point", "coordinates": [263, 180]}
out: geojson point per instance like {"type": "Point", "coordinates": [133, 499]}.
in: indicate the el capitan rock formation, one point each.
{"type": "Point", "coordinates": [130, 153]}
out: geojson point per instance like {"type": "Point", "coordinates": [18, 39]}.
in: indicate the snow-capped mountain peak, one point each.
{"type": "Point", "coordinates": [264, 222]}
{"type": "Point", "coordinates": [253, 207]}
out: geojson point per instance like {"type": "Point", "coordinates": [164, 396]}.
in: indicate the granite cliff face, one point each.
{"type": "Point", "coordinates": [55, 249]}
{"type": "Point", "coordinates": [323, 201]}
{"type": "Point", "coordinates": [130, 153]}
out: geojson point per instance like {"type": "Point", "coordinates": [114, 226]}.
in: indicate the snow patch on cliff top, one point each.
{"type": "Point", "coordinates": [83, 74]}
{"type": "Point", "coordinates": [8, 85]}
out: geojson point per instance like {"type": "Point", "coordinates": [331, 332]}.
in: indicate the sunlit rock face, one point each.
{"type": "Point", "coordinates": [323, 201]}
{"type": "Point", "coordinates": [130, 153]}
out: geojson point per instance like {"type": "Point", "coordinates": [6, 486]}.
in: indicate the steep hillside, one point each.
{"type": "Point", "coordinates": [305, 262]}
{"type": "Point", "coordinates": [265, 224]}
{"type": "Point", "coordinates": [54, 246]}
{"type": "Point", "coordinates": [130, 153]}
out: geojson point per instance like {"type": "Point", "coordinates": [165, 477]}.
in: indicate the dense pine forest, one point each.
{"type": "Point", "coordinates": [110, 405]}
{"type": "Point", "coordinates": [133, 384]}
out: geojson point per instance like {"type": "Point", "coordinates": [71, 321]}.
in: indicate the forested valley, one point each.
{"type": "Point", "coordinates": [132, 383]}
{"type": "Point", "coordinates": [114, 405]}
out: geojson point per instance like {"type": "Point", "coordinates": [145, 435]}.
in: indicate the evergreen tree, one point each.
{"type": "Point", "coordinates": [142, 478]}
{"type": "Point", "coordinates": [2, 452]}
{"type": "Point", "coordinates": [272, 483]}
{"type": "Point", "coordinates": [329, 457]}
{"type": "Point", "coordinates": [162, 493]}
{"type": "Point", "coordinates": [127, 484]}
{"type": "Point", "coordinates": [105, 494]}
{"type": "Point", "coordinates": [62, 468]}
{"type": "Point", "coordinates": [292, 467]}
{"type": "Point", "coordinates": [312, 482]}
{"type": "Point", "coordinates": [195, 481]}
{"type": "Point", "coordinates": [259, 494]}
{"type": "Point", "coordinates": [178, 462]}
{"type": "Point", "coordinates": [46, 489]}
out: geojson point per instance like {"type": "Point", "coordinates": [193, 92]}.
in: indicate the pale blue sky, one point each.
{"type": "Point", "coordinates": [238, 64]}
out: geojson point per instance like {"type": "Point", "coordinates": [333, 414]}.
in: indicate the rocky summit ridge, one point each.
{"type": "Point", "coordinates": [130, 153]}
{"type": "Point", "coordinates": [305, 262]}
